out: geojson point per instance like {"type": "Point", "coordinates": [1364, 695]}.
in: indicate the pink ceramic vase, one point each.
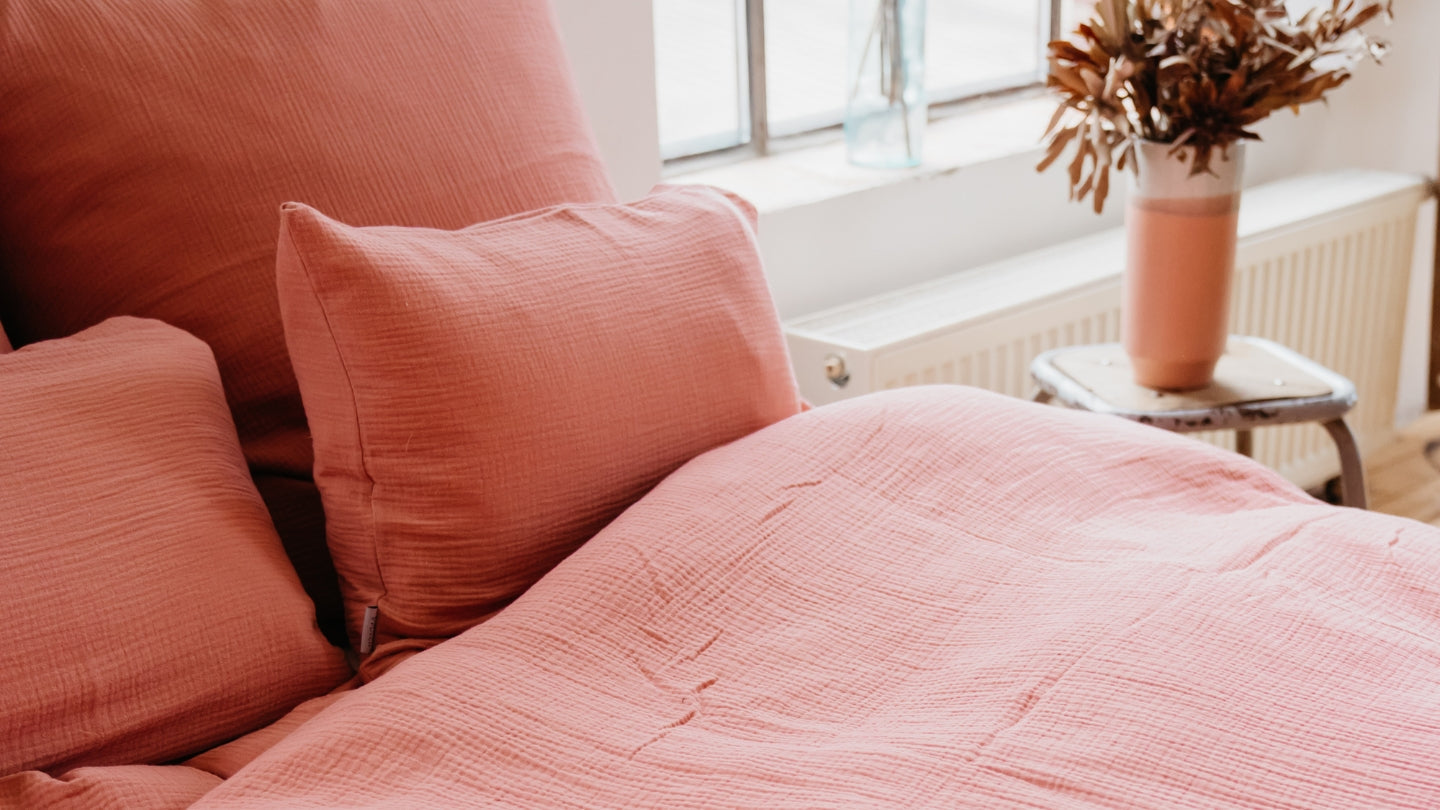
{"type": "Point", "coordinates": [1180, 259]}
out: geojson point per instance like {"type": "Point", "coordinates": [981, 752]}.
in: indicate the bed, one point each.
{"type": "Point", "coordinates": [932, 597]}
{"type": "Point", "coordinates": [478, 487]}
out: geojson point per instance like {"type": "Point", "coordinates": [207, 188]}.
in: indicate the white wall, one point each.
{"type": "Point", "coordinates": [846, 247]}
{"type": "Point", "coordinates": [1389, 118]}
{"type": "Point", "coordinates": [612, 53]}
{"type": "Point", "coordinates": [864, 243]}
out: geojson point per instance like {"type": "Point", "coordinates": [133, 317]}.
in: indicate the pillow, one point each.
{"type": "Point", "coordinates": [145, 146]}
{"type": "Point", "coordinates": [4, 341]}
{"type": "Point", "coordinates": [150, 611]}
{"type": "Point", "coordinates": [485, 400]}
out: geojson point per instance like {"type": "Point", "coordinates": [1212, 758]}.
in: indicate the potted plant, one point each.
{"type": "Point", "coordinates": [1170, 89]}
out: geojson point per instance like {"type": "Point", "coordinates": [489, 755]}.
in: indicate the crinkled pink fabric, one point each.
{"type": "Point", "coordinates": [483, 401]}
{"type": "Point", "coordinates": [225, 760]}
{"type": "Point", "coordinates": [934, 597]}
{"type": "Point", "coordinates": [116, 787]}
{"type": "Point", "coordinates": [148, 609]}
{"type": "Point", "coordinates": [146, 147]}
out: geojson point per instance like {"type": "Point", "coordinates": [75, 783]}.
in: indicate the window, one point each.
{"type": "Point", "coordinates": [739, 73]}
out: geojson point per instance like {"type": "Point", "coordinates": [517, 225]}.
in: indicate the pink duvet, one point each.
{"type": "Point", "coordinates": [934, 597]}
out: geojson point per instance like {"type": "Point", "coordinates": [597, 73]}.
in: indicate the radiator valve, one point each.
{"type": "Point", "coordinates": [835, 371]}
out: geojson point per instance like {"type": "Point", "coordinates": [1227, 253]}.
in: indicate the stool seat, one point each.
{"type": "Point", "coordinates": [1257, 383]}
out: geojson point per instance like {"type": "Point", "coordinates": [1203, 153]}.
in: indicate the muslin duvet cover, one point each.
{"type": "Point", "coordinates": [933, 597]}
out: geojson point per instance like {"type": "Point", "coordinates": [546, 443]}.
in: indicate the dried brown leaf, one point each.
{"type": "Point", "coordinates": [1057, 147]}
{"type": "Point", "coordinates": [1195, 74]}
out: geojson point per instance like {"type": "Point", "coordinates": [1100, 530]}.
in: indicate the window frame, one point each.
{"type": "Point", "coordinates": [757, 140]}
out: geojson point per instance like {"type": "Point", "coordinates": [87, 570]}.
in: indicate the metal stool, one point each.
{"type": "Point", "coordinates": [1257, 384]}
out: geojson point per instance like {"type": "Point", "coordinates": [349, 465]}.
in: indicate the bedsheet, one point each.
{"type": "Point", "coordinates": [933, 597]}
{"type": "Point", "coordinates": [109, 787]}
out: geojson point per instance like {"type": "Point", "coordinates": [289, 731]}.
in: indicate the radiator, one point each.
{"type": "Point", "coordinates": [1323, 266]}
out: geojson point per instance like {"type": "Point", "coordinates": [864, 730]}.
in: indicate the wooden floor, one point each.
{"type": "Point", "coordinates": [1404, 477]}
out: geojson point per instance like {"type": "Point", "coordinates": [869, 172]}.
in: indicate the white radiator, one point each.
{"type": "Point", "coordinates": [1323, 267]}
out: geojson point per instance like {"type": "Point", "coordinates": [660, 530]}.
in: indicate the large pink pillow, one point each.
{"type": "Point", "coordinates": [149, 609]}
{"type": "Point", "coordinates": [145, 146]}
{"type": "Point", "coordinates": [485, 400]}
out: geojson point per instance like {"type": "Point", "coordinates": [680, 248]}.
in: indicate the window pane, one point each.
{"type": "Point", "coordinates": [972, 46]}
{"type": "Point", "coordinates": [805, 63]}
{"type": "Point", "coordinates": [700, 75]}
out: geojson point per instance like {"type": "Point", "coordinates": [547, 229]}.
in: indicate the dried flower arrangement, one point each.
{"type": "Point", "coordinates": [1192, 73]}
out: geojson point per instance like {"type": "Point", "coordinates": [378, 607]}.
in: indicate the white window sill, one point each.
{"type": "Point", "coordinates": [833, 233]}
{"type": "Point", "coordinates": [811, 174]}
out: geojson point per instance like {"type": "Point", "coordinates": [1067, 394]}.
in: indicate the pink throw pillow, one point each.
{"type": "Point", "coordinates": [150, 611]}
{"type": "Point", "coordinates": [145, 145]}
{"type": "Point", "coordinates": [483, 401]}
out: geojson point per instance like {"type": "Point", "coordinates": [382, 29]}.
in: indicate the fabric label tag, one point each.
{"type": "Point", "coordinates": [367, 629]}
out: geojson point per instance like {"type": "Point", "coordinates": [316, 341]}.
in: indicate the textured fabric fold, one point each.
{"type": "Point", "coordinates": [116, 787]}
{"type": "Point", "coordinates": [930, 597]}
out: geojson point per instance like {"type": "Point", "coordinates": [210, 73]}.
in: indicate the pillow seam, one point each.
{"type": "Point", "coordinates": [354, 407]}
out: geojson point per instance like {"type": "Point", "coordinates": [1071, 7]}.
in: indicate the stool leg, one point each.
{"type": "Point", "coordinates": [1243, 444]}
{"type": "Point", "coordinates": [1042, 396]}
{"type": "Point", "coordinates": [1352, 473]}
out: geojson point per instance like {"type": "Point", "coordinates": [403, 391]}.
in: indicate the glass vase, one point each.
{"type": "Point", "coordinates": [1181, 234]}
{"type": "Point", "coordinates": [885, 110]}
